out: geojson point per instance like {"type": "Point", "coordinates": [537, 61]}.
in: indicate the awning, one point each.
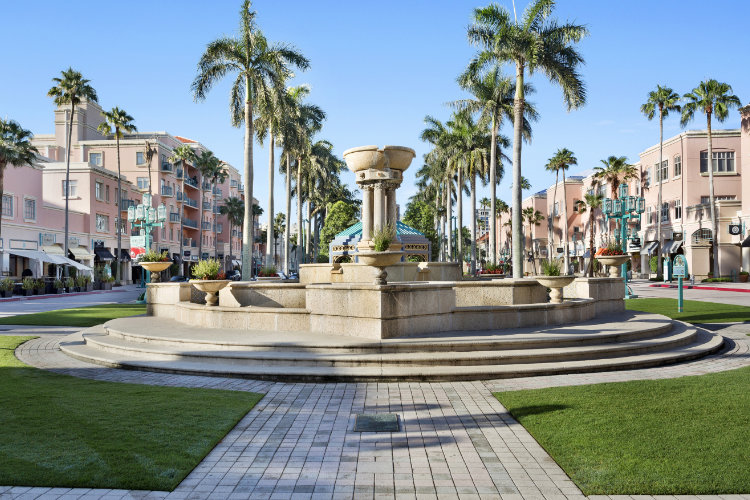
{"type": "Point", "coordinates": [55, 249]}
{"type": "Point", "coordinates": [35, 255]}
{"type": "Point", "coordinates": [667, 248]}
{"type": "Point", "coordinates": [587, 254]}
{"type": "Point", "coordinates": [676, 246]}
{"type": "Point", "coordinates": [650, 247]}
{"type": "Point", "coordinates": [746, 243]}
{"type": "Point", "coordinates": [81, 252]}
{"type": "Point", "coordinates": [103, 253]}
{"type": "Point", "coordinates": [176, 258]}
{"type": "Point", "coordinates": [124, 255]}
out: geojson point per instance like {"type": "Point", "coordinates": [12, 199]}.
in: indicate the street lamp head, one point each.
{"type": "Point", "coordinates": [131, 213]}
{"type": "Point", "coordinates": [147, 199]}
{"type": "Point", "coordinates": [161, 213]}
{"type": "Point", "coordinates": [151, 215]}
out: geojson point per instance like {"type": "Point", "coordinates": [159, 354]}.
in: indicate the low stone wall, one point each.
{"type": "Point", "coordinates": [359, 273]}
{"type": "Point", "coordinates": [243, 318]}
{"type": "Point", "coordinates": [608, 292]}
{"type": "Point", "coordinates": [241, 294]}
{"type": "Point", "coordinates": [162, 297]}
{"type": "Point", "coordinates": [496, 292]}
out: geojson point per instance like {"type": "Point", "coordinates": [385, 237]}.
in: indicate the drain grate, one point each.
{"type": "Point", "coordinates": [376, 422]}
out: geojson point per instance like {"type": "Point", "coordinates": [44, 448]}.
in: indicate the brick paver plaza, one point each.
{"type": "Point", "coordinates": [456, 439]}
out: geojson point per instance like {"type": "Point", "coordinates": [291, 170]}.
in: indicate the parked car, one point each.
{"type": "Point", "coordinates": [234, 275]}
{"type": "Point", "coordinates": [179, 278]}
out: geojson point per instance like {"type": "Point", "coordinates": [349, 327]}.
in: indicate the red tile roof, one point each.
{"type": "Point", "coordinates": [183, 139]}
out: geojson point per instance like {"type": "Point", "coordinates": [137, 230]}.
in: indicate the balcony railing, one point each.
{"type": "Point", "coordinates": [191, 202]}
{"type": "Point", "coordinates": [125, 204]}
{"type": "Point", "coordinates": [190, 223]}
{"type": "Point", "coordinates": [207, 186]}
{"type": "Point", "coordinates": [220, 228]}
{"type": "Point", "coordinates": [167, 167]}
{"type": "Point", "coordinates": [179, 195]}
{"type": "Point", "coordinates": [206, 226]}
{"type": "Point", "coordinates": [191, 182]}
{"type": "Point", "coordinates": [167, 191]}
{"type": "Point", "coordinates": [206, 205]}
{"type": "Point", "coordinates": [174, 217]}
{"type": "Point", "coordinates": [178, 173]}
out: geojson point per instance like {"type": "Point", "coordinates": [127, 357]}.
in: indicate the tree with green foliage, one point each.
{"type": "Point", "coordinates": [184, 154]}
{"type": "Point", "coordinates": [234, 209]}
{"type": "Point", "coordinates": [15, 149]}
{"type": "Point", "coordinates": [536, 42]}
{"type": "Point", "coordinates": [339, 216]}
{"type": "Point", "coordinates": [420, 215]}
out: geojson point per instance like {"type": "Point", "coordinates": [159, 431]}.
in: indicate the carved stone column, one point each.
{"type": "Point", "coordinates": [379, 206]}
{"type": "Point", "coordinates": [391, 205]}
{"type": "Point", "coordinates": [367, 212]}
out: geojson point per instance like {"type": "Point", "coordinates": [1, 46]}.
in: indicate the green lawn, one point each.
{"type": "Point", "coordinates": [79, 316]}
{"type": "Point", "coordinates": [57, 430]}
{"type": "Point", "coordinates": [694, 311]}
{"type": "Point", "coordinates": [687, 435]}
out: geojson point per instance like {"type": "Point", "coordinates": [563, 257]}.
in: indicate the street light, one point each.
{"type": "Point", "coordinates": [623, 209]}
{"type": "Point", "coordinates": [146, 217]}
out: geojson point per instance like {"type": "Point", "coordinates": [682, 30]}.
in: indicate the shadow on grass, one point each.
{"type": "Point", "coordinates": [525, 411]}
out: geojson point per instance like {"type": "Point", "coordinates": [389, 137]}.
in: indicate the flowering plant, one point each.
{"type": "Point", "coordinates": [268, 272]}
{"type": "Point", "coordinates": [493, 269]}
{"type": "Point", "coordinates": [611, 249]}
{"type": "Point", "coordinates": [208, 269]}
{"type": "Point", "coordinates": [153, 256]}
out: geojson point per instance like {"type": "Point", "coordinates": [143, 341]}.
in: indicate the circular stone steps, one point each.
{"type": "Point", "coordinates": [620, 342]}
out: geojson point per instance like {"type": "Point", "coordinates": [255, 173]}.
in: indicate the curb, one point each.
{"type": "Point", "coordinates": [58, 295]}
{"type": "Point", "coordinates": [698, 287]}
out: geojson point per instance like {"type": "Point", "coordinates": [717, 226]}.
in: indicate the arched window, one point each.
{"type": "Point", "coordinates": [703, 235]}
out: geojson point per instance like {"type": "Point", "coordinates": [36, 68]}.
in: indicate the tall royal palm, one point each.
{"type": "Point", "coordinates": [185, 155]}
{"type": "Point", "coordinates": [591, 202]}
{"type": "Point", "coordinates": [536, 42]}
{"type": "Point", "coordinates": [15, 149]}
{"type": "Point", "coordinates": [259, 66]}
{"type": "Point", "coordinates": [443, 163]}
{"type": "Point", "coordinates": [561, 161]}
{"type": "Point", "coordinates": [71, 89]}
{"type": "Point", "coordinates": [493, 95]}
{"type": "Point", "coordinates": [533, 218]}
{"type": "Point", "coordinates": [234, 210]}
{"type": "Point", "coordinates": [117, 122]}
{"type": "Point", "coordinates": [714, 99]}
{"type": "Point", "coordinates": [661, 101]}
{"type": "Point", "coordinates": [215, 170]}
{"type": "Point", "coordinates": [203, 163]}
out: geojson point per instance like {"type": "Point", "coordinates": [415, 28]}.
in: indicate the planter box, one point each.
{"type": "Point", "coordinates": [6, 293]}
{"type": "Point", "coordinates": [27, 293]}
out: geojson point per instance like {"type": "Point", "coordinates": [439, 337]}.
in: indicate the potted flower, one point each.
{"type": "Point", "coordinates": [155, 263]}
{"type": "Point", "coordinates": [28, 285]}
{"type": "Point", "coordinates": [269, 273]}
{"type": "Point", "coordinates": [551, 279]}
{"type": "Point", "coordinates": [69, 284]}
{"type": "Point", "coordinates": [105, 282]}
{"type": "Point", "coordinates": [209, 279]}
{"type": "Point", "coordinates": [81, 283]}
{"type": "Point", "coordinates": [6, 287]}
{"type": "Point", "coordinates": [58, 286]}
{"type": "Point", "coordinates": [612, 256]}
{"type": "Point", "coordinates": [40, 287]}
{"type": "Point", "coordinates": [492, 271]}
{"type": "Point", "coordinates": [743, 276]}
{"type": "Point", "coordinates": [381, 255]}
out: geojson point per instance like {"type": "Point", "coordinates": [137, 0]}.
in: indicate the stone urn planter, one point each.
{"type": "Point", "coordinates": [555, 284]}
{"type": "Point", "coordinates": [398, 157]}
{"type": "Point", "coordinates": [380, 260]}
{"type": "Point", "coordinates": [211, 289]}
{"type": "Point", "coordinates": [614, 262]}
{"type": "Point", "coordinates": [155, 268]}
{"type": "Point", "coordinates": [364, 158]}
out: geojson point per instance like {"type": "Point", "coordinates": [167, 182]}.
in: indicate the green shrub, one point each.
{"type": "Point", "coordinates": [28, 283]}
{"type": "Point", "coordinates": [154, 256]}
{"type": "Point", "coordinates": [6, 284]}
{"type": "Point", "coordinates": [717, 280]}
{"type": "Point", "coordinates": [69, 282]}
{"type": "Point", "coordinates": [551, 267]}
{"type": "Point", "coordinates": [57, 284]}
{"type": "Point", "coordinates": [653, 263]}
{"type": "Point", "coordinates": [207, 269]}
{"type": "Point", "coordinates": [383, 237]}
{"type": "Point", "coordinates": [40, 284]}
{"type": "Point", "coordinates": [322, 259]}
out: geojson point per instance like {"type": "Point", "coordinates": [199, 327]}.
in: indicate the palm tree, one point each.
{"type": "Point", "coordinates": [15, 149]}
{"type": "Point", "coordinates": [183, 154]}
{"type": "Point", "coordinates": [214, 169]}
{"type": "Point", "coordinates": [203, 163]}
{"type": "Point", "coordinates": [714, 99]}
{"type": "Point", "coordinates": [121, 122]}
{"type": "Point", "coordinates": [533, 218]}
{"type": "Point", "coordinates": [662, 100]}
{"type": "Point", "coordinates": [593, 201]}
{"type": "Point", "coordinates": [259, 66]}
{"type": "Point", "coordinates": [71, 90]}
{"type": "Point", "coordinates": [615, 171]}
{"type": "Point", "coordinates": [536, 43]}
{"type": "Point", "coordinates": [442, 160]}
{"type": "Point", "coordinates": [234, 209]}
{"type": "Point", "coordinates": [493, 99]}
{"type": "Point", "coordinates": [561, 161]}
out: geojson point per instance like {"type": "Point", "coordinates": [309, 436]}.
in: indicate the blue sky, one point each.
{"type": "Point", "coordinates": [377, 68]}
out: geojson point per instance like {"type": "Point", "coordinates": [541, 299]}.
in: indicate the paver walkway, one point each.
{"type": "Point", "coordinates": [456, 440]}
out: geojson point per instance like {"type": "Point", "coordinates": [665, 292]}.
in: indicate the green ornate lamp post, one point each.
{"type": "Point", "coordinates": [624, 209]}
{"type": "Point", "coordinates": [146, 217]}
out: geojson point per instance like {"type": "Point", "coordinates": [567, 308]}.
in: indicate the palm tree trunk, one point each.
{"type": "Point", "coordinates": [712, 200]}
{"type": "Point", "coordinates": [299, 212]}
{"type": "Point", "coordinates": [3, 164]}
{"type": "Point", "coordinates": [566, 259]}
{"type": "Point", "coordinates": [473, 222]}
{"type": "Point", "coordinates": [518, 104]}
{"type": "Point", "coordinates": [269, 234]}
{"type": "Point", "coordinates": [591, 242]}
{"type": "Point", "coordinates": [552, 231]}
{"type": "Point", "coordinates": [231, 228]}
{"type": "Point", "coordinates": [459, 217]}
{"type": "Point", "coordinates": [182, 215]}
{"type": "Point", "coordinates": [214, 218]}
{"type": "Point", "coordinates": [437, 223]}
{"type": "Point", "coordinates": [67, 182]}
{"type": "Point", "coordinates": [118, 271]}
{"type": "Point", "coordinates": [493, 194]}
{"type": "Point", "coordinates": [288, 214]}
{"type": "Point", "coordinates": [248, 227]}
{"type": "Point", "coordinates": [658, 205]}
{"type": "Point", "coordinates": [308, 243]}
{"type": "Point", "coordinates": [449, 212]}
{"type": "Point", "coordinates": [200, 207]}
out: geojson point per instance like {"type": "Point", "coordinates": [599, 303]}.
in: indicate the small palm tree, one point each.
{"type": "Point", "coordinates": [15, 149]}
{"type": "Point", "coordinates": [536, 42]}
{"type": "Point", "coordinates": [259, 67]}
{"type": "Point", "coordinates": [203, 162]}
{"type": "Point", "coordinates": [120, 122]}
{"type": "Point", "coordinates": [591, 202]}
{"type": "Point", "coordinates": [183, 154]}
{"type": "Point", "coordinates": [71, 89]}
{"type": "Point", "coordinates": [234, 209]}
{"type": "Point", "coordinates": [560, 162]}
{"type": "Point", "coordinates": [714, 99]}
{"type": "Point", "coordinates": [214, 169]}
{"type": "Point", "coordinates": [533, 218]}
{"type": "Point", "coordinates": [661, 101]}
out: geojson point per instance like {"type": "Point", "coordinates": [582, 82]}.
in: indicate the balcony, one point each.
{"type": "Point", "coordinates": [206, 226]}
{"type": "Point", "coordinates": [167, 167]}
{"type": "Point", "coordinates": [167, 191]}
{"type": "Point", "coordinates": [193, 183]}
{"type": "Point", "coordinates": [179, 196]}
{"type": "Point", "coordinates": [207, 186]}
{"type": "Point", "coordinates": [125, 204]}
{"type": "Point", "coordinates": [217, 192]}
{"type": "Point", "coordinates": [220, 228]}
{"type": "Point", "coordinates": [190, 202]}
{"type": "Point", "coordinates": [190, 223]}
{"type": "Point", "coordinates": [174, 217]}
{"type": "Point", "coordinates": [178, 173]}
{"type": "Point", "coordinates": [206, 205]}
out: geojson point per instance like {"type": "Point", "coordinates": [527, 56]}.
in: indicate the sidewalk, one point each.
{"type": "Point", "coordinates": [43, 303]}
{"type": "Point", "coordinates": [719, 287]}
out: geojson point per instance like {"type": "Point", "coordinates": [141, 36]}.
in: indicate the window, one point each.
{"type": "Point", "coordinates": [723, 161]}
{"type": "Point", "coordinates": [702, 235]}
{"type": "Point", "coordinates": [677, 166]}
{"type": "Point", "coordinates": [95, 159]}
{"type": "Point", "coordinates": [662, 174]}
{"type": "Point", "coordinates": [98, 190]}
{"type": "Point", "coordinates": [707, 199]}
{"type": "Point", "coordinates": [139, 158]}
{"type": "Point", "coordinates": [649, 217]}
{"type": "Point", "coordinates": [106, 193]}
{"type": "Point", "coordinates": [71, 190]}
{"type": "Point", "coordinates": [647, 176]}
{"type": "Point", "coordinates": [7, 205]}
{"type": "Point", "coordinates": [678, 209]}
{"type": "Point", "coordinates": [102, 223]}
{"type": "Point", "coordinates": [163, 233]}
{"type": "Point", "coordinates": [556, 210]}
{"type": "Point", "coordinates": [29, 209]}
{"type": "Point", "coordinates": [142, 182]}
{"type": "Point", "coordinates": [664, 212]}
{"type": "Point", "coordinates": [575, 205]}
